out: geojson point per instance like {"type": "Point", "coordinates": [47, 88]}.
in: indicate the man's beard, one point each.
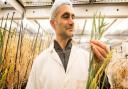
{"type": "Point", "coordinates": [69, 27]}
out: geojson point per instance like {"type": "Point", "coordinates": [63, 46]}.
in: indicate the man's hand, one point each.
{"type": "Point", "coordinates": [100, 49]}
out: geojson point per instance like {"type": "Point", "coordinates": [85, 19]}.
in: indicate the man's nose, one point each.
{"type": "Point", "coordinates": [71, 21]}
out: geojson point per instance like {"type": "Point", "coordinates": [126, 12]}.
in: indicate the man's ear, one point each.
{"type": "Point", "coordinates": [52, 22]}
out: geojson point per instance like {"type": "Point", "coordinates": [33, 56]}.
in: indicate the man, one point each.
{"type": "Point", "coordinates": [63, 65]}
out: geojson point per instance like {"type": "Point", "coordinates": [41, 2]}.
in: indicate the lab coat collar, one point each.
{"type": "Point", "coordinates": [58, 47]}
{"type": "Point", "coordinates": [55, 56]}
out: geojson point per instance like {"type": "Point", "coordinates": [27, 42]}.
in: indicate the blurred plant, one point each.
{"type": "Point", "coordinates": [117, 73]}
{"type": "Point", "coordinates": [17, 51]}
{"type": "Point", "coordinates": [4, 75]}
{"type": "Point", "coordinates": [96, 69]}
{"type": "Point", "coordinates": [1, 45]}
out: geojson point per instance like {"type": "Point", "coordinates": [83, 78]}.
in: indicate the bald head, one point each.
{"type": "Point", "coordinates": [57, 4]}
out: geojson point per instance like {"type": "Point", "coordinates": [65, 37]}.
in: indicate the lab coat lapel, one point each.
{"type": "Point", "coordinates": [72, 58]}
{"type": "Point", "coordinates": [56, 58]}
{"type": "Point", "coordinates": [54, 54]}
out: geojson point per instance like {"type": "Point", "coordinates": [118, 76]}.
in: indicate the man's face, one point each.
{"type": "Point", "coordinates": [64, 21]}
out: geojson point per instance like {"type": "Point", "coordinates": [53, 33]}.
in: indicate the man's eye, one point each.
{"type": "Point", "coordinates": [73, 16]}
{"type": "Point", "coordinates": [65, 16]}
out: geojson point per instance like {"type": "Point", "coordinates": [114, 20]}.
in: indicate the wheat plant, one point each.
{"type": "Point", "coordinates": [96, 70]}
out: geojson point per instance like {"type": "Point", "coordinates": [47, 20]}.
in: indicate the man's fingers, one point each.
{"type": "Point", "coordinates": [100, 44]}
{"type": "Point", "coordinates": [100, 50]}
{"type": "Point", "coordinates": [97, 53]}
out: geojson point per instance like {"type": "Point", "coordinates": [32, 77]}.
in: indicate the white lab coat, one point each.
{"type": "Point", "coordinates": [48, 71]}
